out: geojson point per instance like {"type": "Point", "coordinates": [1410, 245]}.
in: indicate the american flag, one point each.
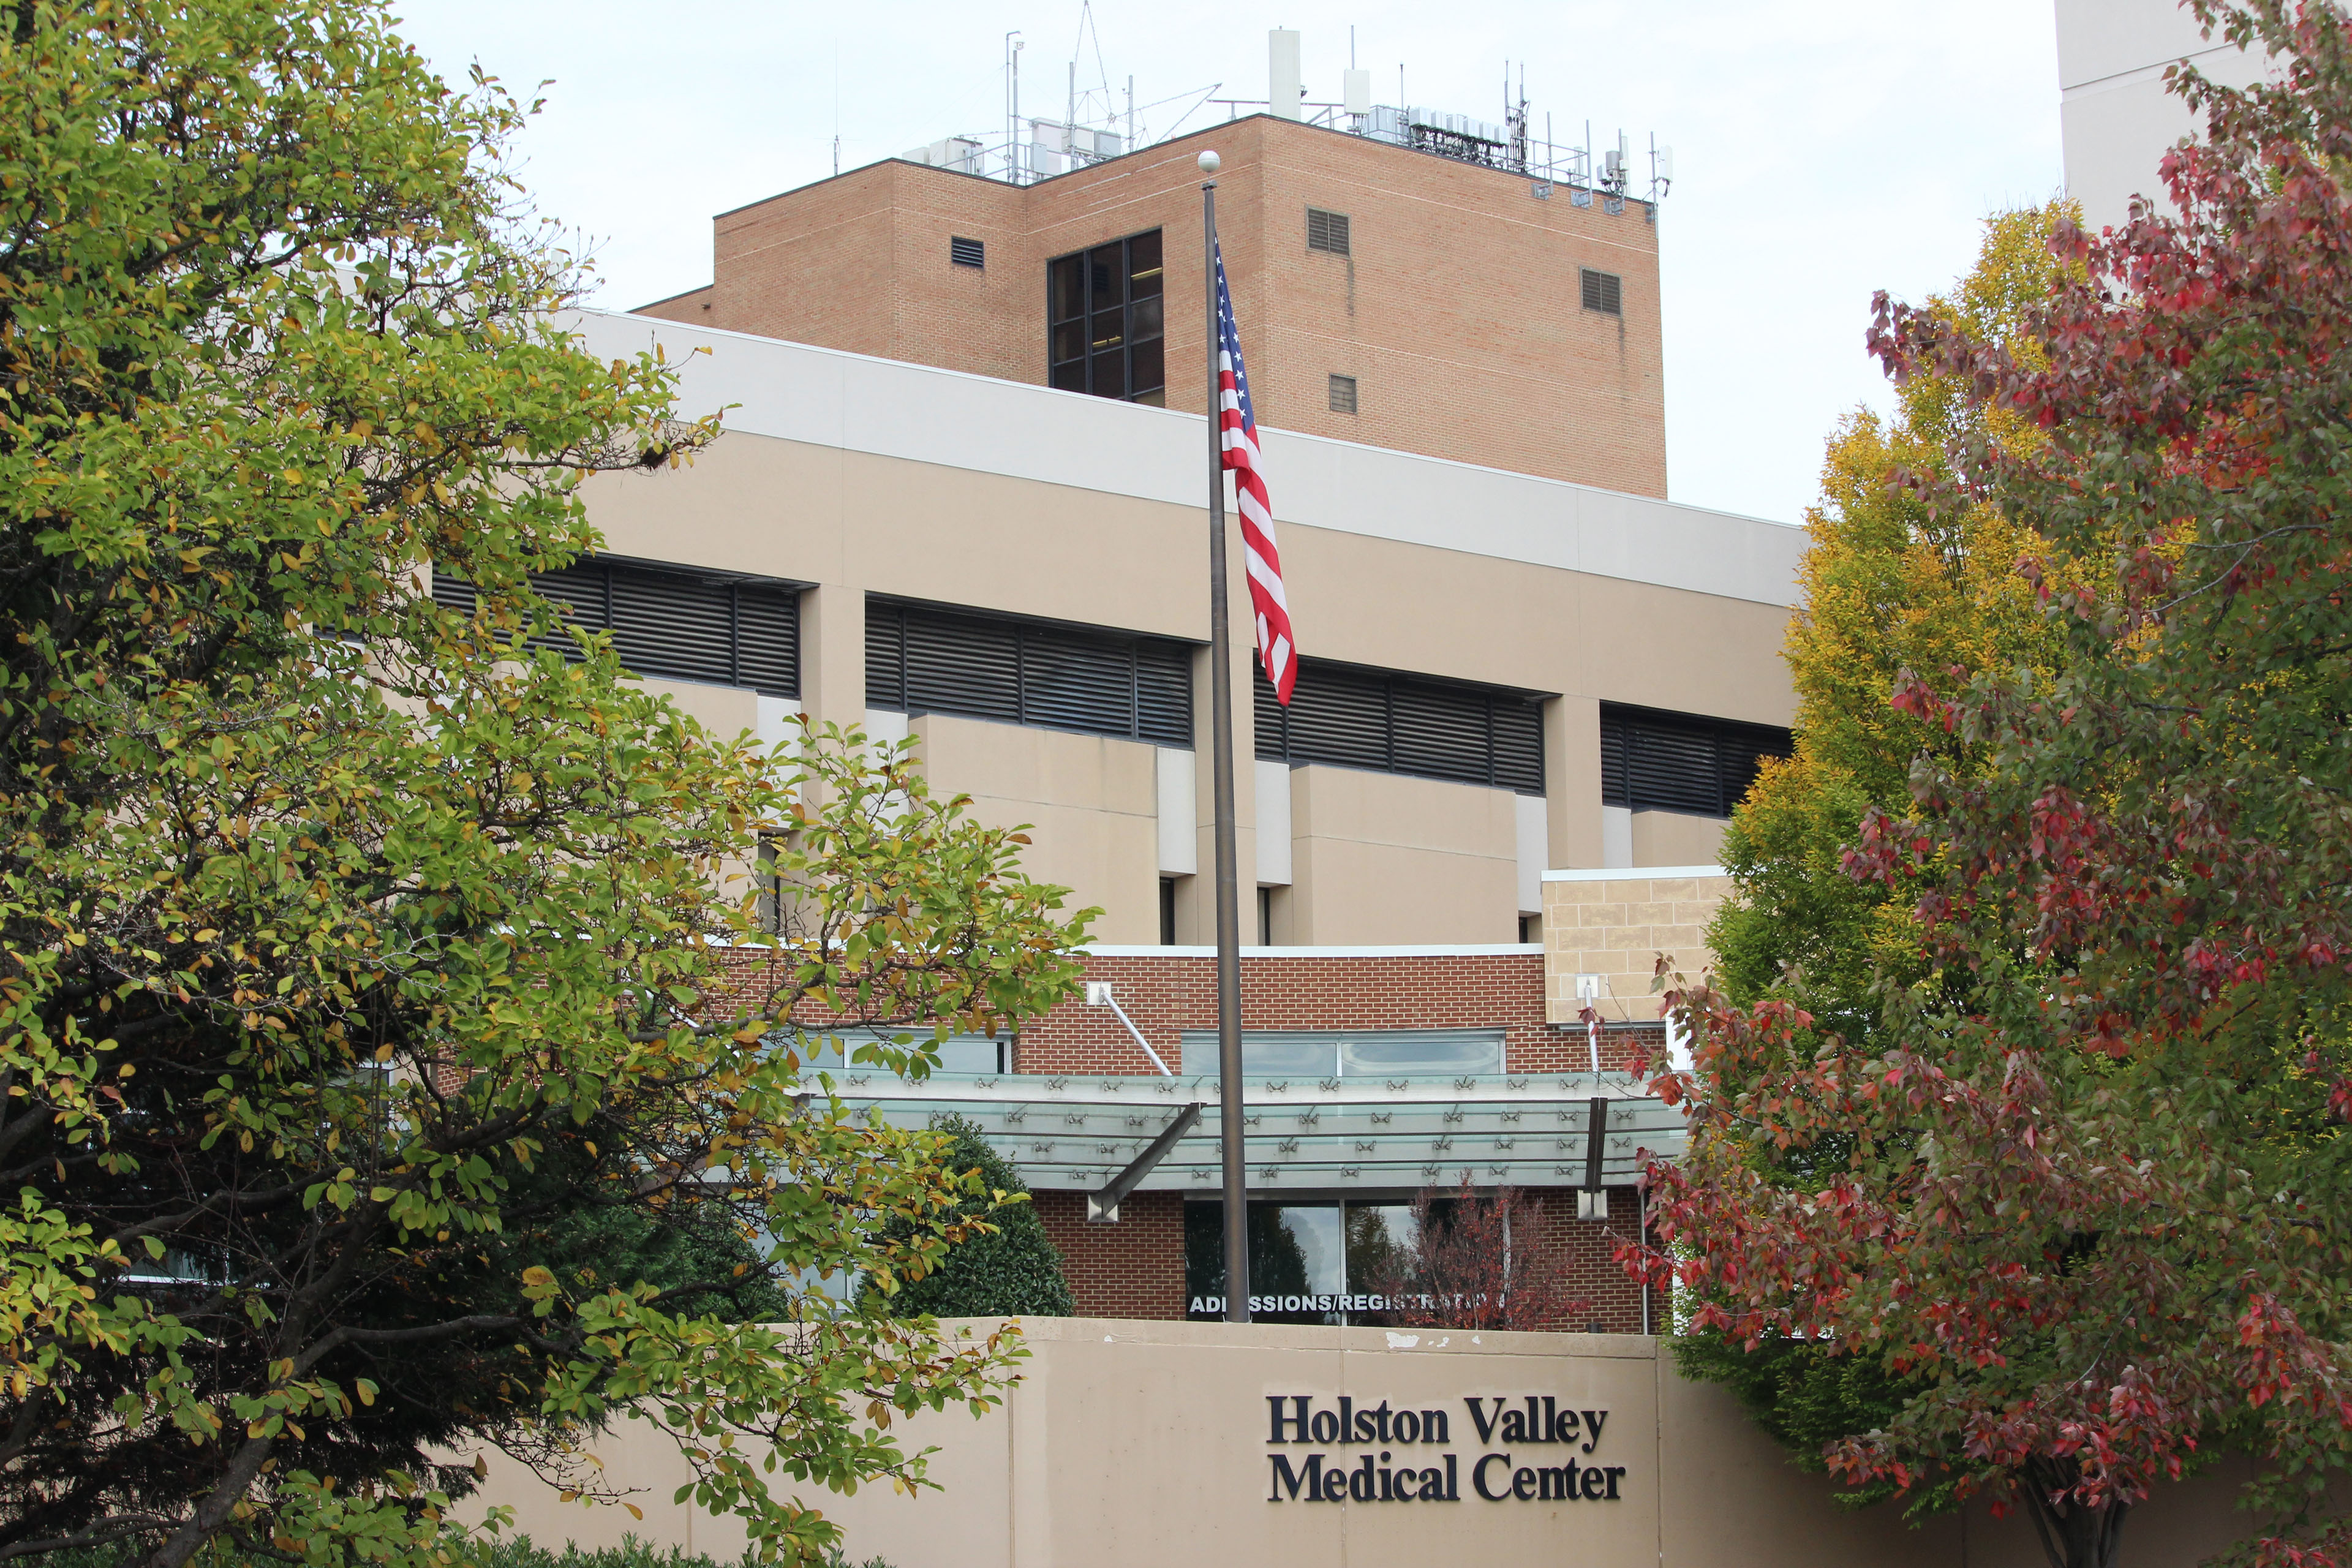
{"type": "Point", "coordinates": [1238, 441]}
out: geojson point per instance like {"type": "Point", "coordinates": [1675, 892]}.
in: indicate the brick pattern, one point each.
{"type": "Point", "coordinates": [1459, 313]}
{"type": "Point", "coordinates": [1131, 1269]}
{"type": "Point", "coordinates": [1166, 996]}
{"type": "Point", "coordinates": [1613, 1300]}
{"type": "Point", "coordinates": [1617, 927]}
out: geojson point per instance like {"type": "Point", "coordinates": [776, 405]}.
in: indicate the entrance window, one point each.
{"type": "Point", "coordinates": [1327, 1262]}
{"type": "Point", "coordinates": [1369, 1053]}
{"type": "Point", "coordinates": [977, 1053]}
{"type": "Point", "coordinates": [1105, 318]}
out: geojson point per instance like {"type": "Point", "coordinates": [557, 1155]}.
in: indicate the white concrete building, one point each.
{"type": "Point", "coordinates": [2113, 113]}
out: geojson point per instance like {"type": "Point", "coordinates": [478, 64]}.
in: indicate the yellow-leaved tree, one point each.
{"type": "Point", "coordinates": [1893, 581]}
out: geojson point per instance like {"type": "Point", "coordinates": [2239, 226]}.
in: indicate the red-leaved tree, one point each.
{"type": "Point", "coordinates": [1477, 1260]}
{"type": "Point", "coordinates": [2084, 1193]}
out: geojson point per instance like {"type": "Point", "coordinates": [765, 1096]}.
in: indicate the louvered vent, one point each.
{"type": "Point", "coordinates": [956, 665]}
{"type": "Point", "coordinates": [1353, 718]}
{"type": "Point", "coordinates": [965, 252]}
{"type": "Point", "coordinates": [920, 659]}
{"type": "Point", "coordinates": [1604, 291]}
{"type": "Point", "coordinates": [1327, 231]}
{"type": "Point", "coordinates": [669, 623]}
{"type": "Point", "coordinates": [1652, 760]}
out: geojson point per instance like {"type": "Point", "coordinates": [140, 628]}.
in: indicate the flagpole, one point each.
{"type": "Point", "coordinates": [1220, 755]}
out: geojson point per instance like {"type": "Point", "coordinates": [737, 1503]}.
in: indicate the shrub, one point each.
{"type": "Point", "coordinates": [1010, 1270]}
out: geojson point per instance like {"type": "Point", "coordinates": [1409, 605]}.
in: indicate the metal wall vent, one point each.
{"type": "Point", "coordinates": [1327, 231]}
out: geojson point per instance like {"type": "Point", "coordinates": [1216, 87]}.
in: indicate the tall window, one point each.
{"type": "Point", "coordinates": [1652, 760]}
{"type": "Point", "coordinates": [1326, 1261]}
{"type": "Point", "coordinates": [1104, 320]}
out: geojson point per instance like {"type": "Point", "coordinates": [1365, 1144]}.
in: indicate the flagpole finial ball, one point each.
{"type": "Point", "coordinates": [1210, 162]}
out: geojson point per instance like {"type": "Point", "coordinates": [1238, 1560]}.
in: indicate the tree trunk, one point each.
{"type": "Point", "coordinates": [2073, 1536]}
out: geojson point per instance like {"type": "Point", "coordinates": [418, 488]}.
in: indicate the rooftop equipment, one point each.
{"type": "Point", "coordinates": [1095, 127]}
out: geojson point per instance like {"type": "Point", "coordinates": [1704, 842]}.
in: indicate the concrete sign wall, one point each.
{"type": "Point", "coordinates": [1168, 1444]}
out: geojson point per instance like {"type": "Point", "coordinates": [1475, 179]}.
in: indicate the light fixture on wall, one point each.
{"type": "Point", "coordinates": [1098, 995]}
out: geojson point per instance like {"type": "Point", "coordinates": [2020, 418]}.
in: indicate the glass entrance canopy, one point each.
{"type": "Point", "coordinates": [1345, 1132]}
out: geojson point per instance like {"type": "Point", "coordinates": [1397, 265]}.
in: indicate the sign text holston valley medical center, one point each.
{"type": "Point", "coordinates": [1392, 1445]}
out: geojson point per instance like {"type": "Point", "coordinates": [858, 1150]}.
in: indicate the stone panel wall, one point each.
{"type": "Point", "coordinates": [1618, 924]}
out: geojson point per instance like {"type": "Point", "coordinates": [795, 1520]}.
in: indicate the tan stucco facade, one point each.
{"type": "Point", "coordinates": [1090, 802]}
{"type": "Point", "coordinates": [1675, 839]}
{"type": "Point", "coordinates": [1379, 858]}
{"type": "Point", "coordinates": [863, 478]}
{"type": "Point", "coordinates": [1147, 1444]}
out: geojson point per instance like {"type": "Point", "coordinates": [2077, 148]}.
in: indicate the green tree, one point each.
{"type": "Point", "coordinates": [2084, 1181]}
{"type": "Point", "coordinates": [388, 1049]}
{"type": "Point", "coordinates": [1006, 1266]}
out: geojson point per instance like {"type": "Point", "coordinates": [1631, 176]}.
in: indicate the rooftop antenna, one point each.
{"type": "Point", "coordinates": [1102, 72]}
{"type": "Point", "coordinates": [1519, 127]}
{"type": "Point", "coordinates": [1515, 116]}
{"type": "Point", "coordinates": [836, 108]}
{"type": "Point", "coordinates": [1012, 47]}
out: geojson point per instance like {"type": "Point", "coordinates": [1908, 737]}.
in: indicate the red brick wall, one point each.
{"type": "Point", "coordinates": [1131, 1269]}
{"type": "Point", "coordinates": [1458, 312]}
{"type": "Point", "coordinates": [1615, 1301]}
{"type": "Point", "coordinates": [1165, 997]}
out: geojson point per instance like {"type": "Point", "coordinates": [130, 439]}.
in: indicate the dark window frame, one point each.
{"type": "Point", "coordinates": [1652, 759]}
{"type": "Point", "coordinates": [623, 595]}
{"type": "Point", "coordinates": [1411, 710]}
{"type": "Point", "coordinates": [1130, 366]}
{"type": "Point", "coordinates": [1158, 695]}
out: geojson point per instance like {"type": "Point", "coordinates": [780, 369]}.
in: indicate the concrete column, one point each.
{"type": "Point", "coordinates": [833, 654]}
{"type": "Point", "coordinates": [1572, 781]}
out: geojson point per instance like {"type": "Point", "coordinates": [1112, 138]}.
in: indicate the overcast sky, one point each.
{"type": "Point", "coordinates": [1823, 148]}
